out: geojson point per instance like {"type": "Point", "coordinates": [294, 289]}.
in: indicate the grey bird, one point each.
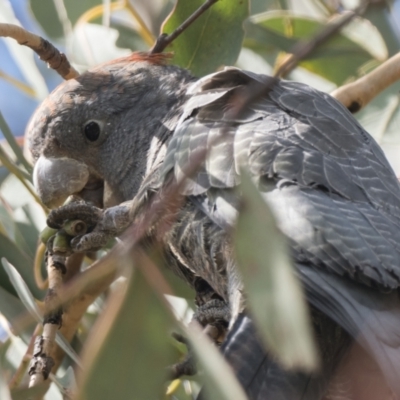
{"type": "Point", "coordinates": [119, 133]}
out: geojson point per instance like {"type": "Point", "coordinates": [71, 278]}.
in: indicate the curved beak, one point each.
{"type": "Point", "coordinates": [57, 178]}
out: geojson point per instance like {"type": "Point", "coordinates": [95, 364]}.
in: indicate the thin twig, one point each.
{"type": "Point", "coordinates": [164, 39]}
{"type": "Point", "coordinates": [304, 49]}
{"type": "Point", "coordinates": [43, 361]}
{"type": "Point", "coordinates": [44, 49]}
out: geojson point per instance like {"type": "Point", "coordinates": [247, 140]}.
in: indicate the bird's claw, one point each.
{"type": "Point", "coordinates": [95, 236]}
{"type": "Point", "coordinates": [213, 314]}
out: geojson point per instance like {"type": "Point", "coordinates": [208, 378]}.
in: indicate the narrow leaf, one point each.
{"type": "Point", "coordinates": [274, 294]}
{"type": "Point", "coordinates": [13, 144]}
{"type": "Point", "coordinates": [22, 289]}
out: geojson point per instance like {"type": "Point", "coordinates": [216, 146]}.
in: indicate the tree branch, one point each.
{"type": "Point", "coordinates": [44, 49]}
{"type": "Point", "coordinates": [358, 94]}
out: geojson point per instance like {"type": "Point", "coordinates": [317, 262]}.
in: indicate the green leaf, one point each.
{"type": "Point", "coordinates": [13, 309]}
{"type": "Point", "coordinates": [128, 352]}
{"type": "Point", "coordinates": [213, 40]}
{"type": "Point", "coordinates": [22, 289]}
{"type": "Point", "coordinates": [273, 293]}
{"type": "Point", "coordinates": [336, 60]}
{"type": "Point", "coordinates": [9, 250]}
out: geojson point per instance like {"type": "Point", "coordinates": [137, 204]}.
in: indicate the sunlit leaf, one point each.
{"type": "Point", "coordinates": [274, 294]}
{"type": "Point", "coordinates": [93, 44]}
{"type": "Point", "coordinates": [212, 41]}
{"type": "Point", "coordinates": [128, 351]}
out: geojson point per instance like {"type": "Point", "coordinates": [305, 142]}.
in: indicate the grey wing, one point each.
{"type": "Point", "coordinates": [345, 196]}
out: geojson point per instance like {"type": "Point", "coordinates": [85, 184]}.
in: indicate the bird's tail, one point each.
{"type": "Point", "coordinates": [371, 317]}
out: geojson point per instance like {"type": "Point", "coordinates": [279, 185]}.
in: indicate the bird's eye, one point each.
{"type": "Point", "coordinates": [92, 130]}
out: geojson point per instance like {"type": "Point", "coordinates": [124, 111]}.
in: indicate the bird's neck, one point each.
{"type": "Point", "coordinates": [145, 151]}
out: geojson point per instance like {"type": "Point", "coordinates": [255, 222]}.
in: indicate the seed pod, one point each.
{"type": "Point", "coordinates": [61, 243]}
{"type": "Point", "coordinates": [46, 234]}
{"type": "Point", "coordinates": [75, 227]}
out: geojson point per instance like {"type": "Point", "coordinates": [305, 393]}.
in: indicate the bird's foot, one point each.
{"type": "Point", "coordinates": [214, 317]}
{"type": "Point", "coordinates": [101, 225]}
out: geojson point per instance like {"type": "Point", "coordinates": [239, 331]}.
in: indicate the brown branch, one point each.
{"type": "Point", "coordinates": [44, 49]}
{"type": "Point", "coordinates": [165, 40]}
{"type": "Point", "coordinates": [22, 368]}
{"type": "Point", "coordinates": [42, 360]}
{"type": "Point", "coordinates": [356, 95]}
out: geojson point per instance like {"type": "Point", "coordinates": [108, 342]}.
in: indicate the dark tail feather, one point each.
{"type": "Point", "coordinates": [262, 377]}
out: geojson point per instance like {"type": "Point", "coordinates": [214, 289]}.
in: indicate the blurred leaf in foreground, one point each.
{"type": "Point", "coordinates": [273, 293]}
{"type": "Point", "coordinates": [127, 355]}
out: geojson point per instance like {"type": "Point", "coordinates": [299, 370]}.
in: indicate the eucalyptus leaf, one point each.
{"type": "Point", "coordinates": [10, 251]}
{"type": "Point", "coordinates": [128, 352]}
{"type": "Point", "coordinates": [213, 40]}
{"type": "Point", "coordinates": [274, 295]}
{"type": "Point", "coordinates": [22, 289]}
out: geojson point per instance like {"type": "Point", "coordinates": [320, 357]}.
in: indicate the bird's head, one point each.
{"type": "Point", "coordinates": [95, 132]}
